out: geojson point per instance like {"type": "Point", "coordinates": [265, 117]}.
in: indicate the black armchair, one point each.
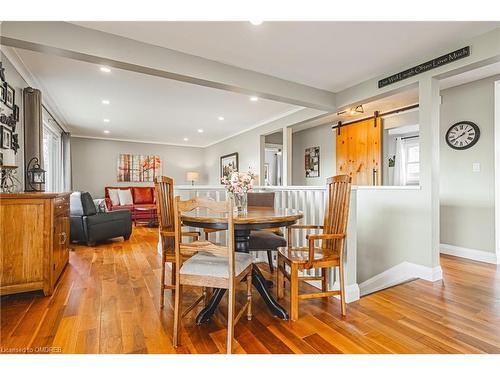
{"type": "Point", "coordinates": [89, 226]}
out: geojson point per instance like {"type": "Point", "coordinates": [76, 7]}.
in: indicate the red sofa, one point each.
{"type": "Point", "coordinates": [142, 196]}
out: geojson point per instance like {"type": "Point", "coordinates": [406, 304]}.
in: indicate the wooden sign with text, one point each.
{"type": "Point", "coordinates": [421, 68]}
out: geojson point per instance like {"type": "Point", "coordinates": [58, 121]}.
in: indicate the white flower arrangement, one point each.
{"type": "Point", "coordinates": [239, 183]}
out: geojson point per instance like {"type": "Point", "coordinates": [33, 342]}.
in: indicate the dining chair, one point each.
{"type": "Point", "coordinates": [210, 265]}
{"type": "Point", "coordinates": [268, 239]}
{"type": "Point", "coordinates": [164, 195]}
{"type": "Point", "coordinates": [329, 254]}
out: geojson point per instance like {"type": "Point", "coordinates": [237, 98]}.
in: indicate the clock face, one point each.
{"type": "Point", "coordinates": [462, 135]}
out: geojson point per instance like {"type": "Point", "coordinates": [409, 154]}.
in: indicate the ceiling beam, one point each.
{"type": "Point", "coordinates": [83, 44]}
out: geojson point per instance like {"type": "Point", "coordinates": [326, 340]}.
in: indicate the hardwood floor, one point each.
{"type": "Point", "coordinates": [107, 302]}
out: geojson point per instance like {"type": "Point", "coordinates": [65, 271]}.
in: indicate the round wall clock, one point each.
{"type": "Point", "coordinates": [462, 135]}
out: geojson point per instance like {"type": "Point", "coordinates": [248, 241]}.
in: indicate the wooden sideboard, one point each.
{"type": "Point", "coordinates": [34, 241]}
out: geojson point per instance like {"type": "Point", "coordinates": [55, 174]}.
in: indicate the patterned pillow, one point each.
{"type": "Point", "coordinates": [100, 205]}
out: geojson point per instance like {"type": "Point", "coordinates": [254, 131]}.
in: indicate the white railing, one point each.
{"type": "Point", "coordinates": [310, 200]}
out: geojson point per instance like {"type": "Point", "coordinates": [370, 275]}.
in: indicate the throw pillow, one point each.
{"type": "Point", "coordinates": [100, 205]}
{"type": "Point", "coordinates": [125, 197]}
{"type": "Point", "coordinates": [113, 195]}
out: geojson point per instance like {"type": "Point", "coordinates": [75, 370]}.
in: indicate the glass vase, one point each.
{"type": "Point", "coordinates": [240, 202]}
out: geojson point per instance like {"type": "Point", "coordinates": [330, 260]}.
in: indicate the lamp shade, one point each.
{"type": "Point", "coordinates": [192, 176]}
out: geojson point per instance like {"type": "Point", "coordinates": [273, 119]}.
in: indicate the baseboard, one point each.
{"type": "Point", "coordinates": [399, 274]}
{"type": "Point", "coordinates": [472, 254]}
{"type": "Point", "coordinates": [351, 291]}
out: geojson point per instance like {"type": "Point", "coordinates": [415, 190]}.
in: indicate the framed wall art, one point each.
{"type": "Point", "coordinates": [6, 138]}
{"type": "Point", "coordinates": [10, 94]}
{"type": "Point", "coordinates": [138, 168]}
{"type": "Point", "coordinates": [228, 164]}
{"type": "Point", "coordinates": [312, 162]}
{"type": "Point", "coordinates": [2, 93]}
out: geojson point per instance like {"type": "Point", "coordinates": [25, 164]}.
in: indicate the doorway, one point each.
{"type": "Point", "coordinates": [273, 159]}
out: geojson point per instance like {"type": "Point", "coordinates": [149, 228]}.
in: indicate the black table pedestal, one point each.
{"type": "Point", "coordinates": [242, 238]}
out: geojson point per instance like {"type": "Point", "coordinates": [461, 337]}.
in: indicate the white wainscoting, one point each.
{"type": "Point", "coordinates": [311, 201]}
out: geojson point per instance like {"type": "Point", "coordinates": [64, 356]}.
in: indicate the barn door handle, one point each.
{"type": "Point", "coordinates": [374, 176]}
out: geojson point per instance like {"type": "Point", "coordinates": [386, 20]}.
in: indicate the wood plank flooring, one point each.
{"type": "Point", "coordinates": [107, 302]}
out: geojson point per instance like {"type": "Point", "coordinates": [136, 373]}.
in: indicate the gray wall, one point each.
{"type": "Point", "coordinates": [248, 145]}
{"type": "Point", "coordinates": [323, 137]}
{"type": "Point", "coordinates": [18, 83]}
{"type": "Point", "coordinates": [467, 199]}
{"type": "Point", "coordinates": [391, 228]}
{"type": "Point", "coordinates": [95, 162]}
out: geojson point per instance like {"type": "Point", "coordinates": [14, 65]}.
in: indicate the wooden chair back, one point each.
{"type": "Point", "coordinates": [264, 199]}
{"type": "Point", "coordinates": [164, 192]}
{"type": "Point", "coordinates": [337, 211]}
{"type": "Point", "coordinates": [182, 250]}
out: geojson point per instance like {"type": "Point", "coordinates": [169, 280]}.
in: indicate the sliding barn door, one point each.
{"type": "Point", "coordinates": [359, 151]}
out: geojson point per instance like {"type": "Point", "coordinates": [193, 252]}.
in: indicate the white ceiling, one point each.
{"type": "Point", "coordinates": [143, 107]}
{"type": "Point", "coordinates": [327, 55]}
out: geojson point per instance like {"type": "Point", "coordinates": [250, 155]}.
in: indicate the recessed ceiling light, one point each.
{"type": "Point", "coordinates": [256, 22]}
{"type": "Point", "coordinates": [105, 101]}
{"type": "Point", "coordinates": [186, 139]}
{"type": "Point", "coordinates": [200, 130]}
{"type": "Point", "coordinates": [106, 120]}
{"type": "Point", "coordinates": [221, 118]}
{"type": "Point", "coordinates": [253, 98]}
{"type": "Point", "coordinates": [105, 69]}
{"type": "Point", "coordinates": [106, 131]}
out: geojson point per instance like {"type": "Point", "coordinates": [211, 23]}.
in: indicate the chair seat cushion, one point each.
{"type": "Point", "coordinates": [301, 254]}
{"type": "Point", "coordinates": [264, 240]}
{"type": "Point", "coordinates": [206, 264]}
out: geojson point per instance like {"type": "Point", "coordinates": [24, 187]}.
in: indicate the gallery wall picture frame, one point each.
{"type": "Point", "coordinates": [311, 162]}
{"type": "Point", "coordinates": [6, 138]}
{"type": "Point", "coordinates": [228, 164]}
{"type": "Point", "coordinates": [2, 93]}
{"type": "Point", "coordinates": [10, 96]}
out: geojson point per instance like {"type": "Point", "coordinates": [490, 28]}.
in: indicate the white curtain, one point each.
{"type": "Point", "coordinates": [400, 163]}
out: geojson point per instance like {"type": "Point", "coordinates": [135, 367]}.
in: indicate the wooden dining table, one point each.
{"type": "Point", "coordinates": [255, 218]}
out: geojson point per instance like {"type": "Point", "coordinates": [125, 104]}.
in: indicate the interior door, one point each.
{"type": "Point", "coordinates": [359, 151]}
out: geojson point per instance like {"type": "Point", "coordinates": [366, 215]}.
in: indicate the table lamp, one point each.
{"type": "Point", "coordinates": [192, 176]}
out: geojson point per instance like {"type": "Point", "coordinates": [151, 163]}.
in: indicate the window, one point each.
{"type": "Point", "coordinates": [412, 151]}
{"type": "Point", "coordinates": [52, 154]}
